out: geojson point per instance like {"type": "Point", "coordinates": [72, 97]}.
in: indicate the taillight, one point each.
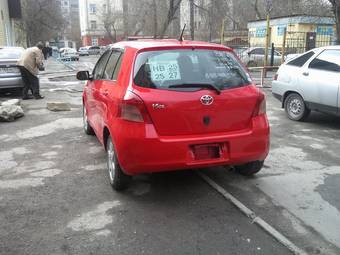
{"type": "Point", "coordinates": [260, 108]}
{"type": "Point", "coordinates": [275, 77]}
{"type": "Point", "coordinates": [132, 108]}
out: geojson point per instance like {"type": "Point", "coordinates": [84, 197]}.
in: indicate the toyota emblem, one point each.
{"type": "Point", "coordinates": [207, 100]}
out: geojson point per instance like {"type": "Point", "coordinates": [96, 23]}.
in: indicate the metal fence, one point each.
{"type": "Point", "coordinates": [253, 55]}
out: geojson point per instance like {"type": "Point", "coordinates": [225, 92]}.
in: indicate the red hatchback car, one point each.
{"type": "Point", "coordinates": [162, 105]}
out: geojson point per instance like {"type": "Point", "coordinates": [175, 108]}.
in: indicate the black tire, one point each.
{"type": "Point", "coordinates": [250, 168]}
{"type": "Point", "coordinates": [118, 179]}
{"type": "Point", "coordinates": [295, 107]}
{"type": "Point", "coordinates": [86, 125]}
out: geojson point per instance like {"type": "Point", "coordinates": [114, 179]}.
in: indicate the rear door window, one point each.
{"type": "Point", "coordinates": [328, 60]}
{"type": "Point", "coordinates": [111, 65]}
{"type": "Point", "coordinates": [168, 68]}
{"type": "Point", "coordinates": [300, 61]}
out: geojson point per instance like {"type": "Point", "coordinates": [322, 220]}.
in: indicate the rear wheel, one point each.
{"type": "Point", "coordinates": [296, 108]}
{"type": "Point", "coordinates": [87, 128]}
{"type": "Point", "coordinates": [118, 179]}
{"type": "Point", "coordinates": [250, 168]}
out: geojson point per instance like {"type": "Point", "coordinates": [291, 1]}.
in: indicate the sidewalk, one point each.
{"type": "Point", "coordinates": [53, 66]}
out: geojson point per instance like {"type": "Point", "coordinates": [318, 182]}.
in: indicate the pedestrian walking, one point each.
{"type": "Point", "coordinates": [45, 52]}
{"type": "Point", "coordinates": [30, 63]}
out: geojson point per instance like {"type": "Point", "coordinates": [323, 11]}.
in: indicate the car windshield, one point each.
{"type": "Point", "coordinates": [175, 69]}
{"type": "Point", "coordinates": [7, 53]}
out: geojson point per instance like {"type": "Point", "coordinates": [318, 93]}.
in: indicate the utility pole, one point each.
{"type": "Point", "coordinates": [269, 4]}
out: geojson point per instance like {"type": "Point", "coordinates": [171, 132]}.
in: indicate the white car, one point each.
{"type": "Point", "coordinates": [254, 56]}
{"type": "Point", "coordinates": [310, 81]}
{"type": "Point", "coordinates": [83, 51]}
{"type": "Point", "coordinates": [69, 54]}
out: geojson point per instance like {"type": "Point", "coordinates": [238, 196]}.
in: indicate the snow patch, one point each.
{"type": "Point", "coordinates": [96, 219]}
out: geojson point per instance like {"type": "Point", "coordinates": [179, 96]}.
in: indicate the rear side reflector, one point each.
{"type": "Point", "coordinates": [131, 113]}
{"type": "Point", "coordinates": [132, 108]}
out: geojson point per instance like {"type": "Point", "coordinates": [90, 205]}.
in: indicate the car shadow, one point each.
{"type": "Point", "coordinates": [324, 120]}
{"type": "Point", "coordinates": [10, 93]}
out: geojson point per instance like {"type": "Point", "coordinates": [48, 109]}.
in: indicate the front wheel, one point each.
{"type": "Point", "coordinates": [118, 179]}
{"type": "Point", "coordinates": [296, 108]}
{"type": "Point", "coordinates": [250, 168]}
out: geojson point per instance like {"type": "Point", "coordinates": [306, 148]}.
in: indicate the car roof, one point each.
{"type": "Point", "coordinates": [12, 48]}
{"type": "Point", "coordinates": [331, 47]}
{"type": "Point", "coordinates": [154, 43]}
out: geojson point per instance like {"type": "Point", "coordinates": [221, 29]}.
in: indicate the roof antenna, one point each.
{"type": "Point", "coordinates": [181, 37]}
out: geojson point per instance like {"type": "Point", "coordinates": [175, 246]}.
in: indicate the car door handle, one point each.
{"type": "Point", "coordinates": [305, 73]}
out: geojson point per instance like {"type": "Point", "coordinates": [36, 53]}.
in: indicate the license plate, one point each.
{"type": "Point", "coordinates": [9, 70]}
{"type": "Point", "coordinates": [207, 151]}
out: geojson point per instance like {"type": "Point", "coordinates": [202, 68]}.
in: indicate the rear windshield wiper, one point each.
{"type": "Point", "coordinates": [197, 85]}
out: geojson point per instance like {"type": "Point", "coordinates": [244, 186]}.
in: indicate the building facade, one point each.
{"type": "Point", "coordinates": [101, 21]}
{"type": "Point", "coordinates": [70, 36]}
{"type": "Point", "coordinates": [300, 32]}
{"type": "Point", "coordinates": [10, 10]}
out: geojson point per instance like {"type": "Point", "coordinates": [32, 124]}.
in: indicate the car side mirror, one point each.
{"type": "Point", "coordinates": [249, 53]}
{"type": "Point", "coordinates": [84, 76]}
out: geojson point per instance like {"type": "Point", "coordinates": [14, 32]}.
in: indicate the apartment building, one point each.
{"type": "Point", "coordinates": [70, 36]}
{"type": "Point", "coordinates": [99, 16]}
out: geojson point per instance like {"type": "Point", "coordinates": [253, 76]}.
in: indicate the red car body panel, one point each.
{"type": "Point", "coordinates": [169, 137]}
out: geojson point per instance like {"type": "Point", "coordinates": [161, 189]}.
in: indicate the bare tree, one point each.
{"type": "Point", "coordinates": [41, 20]}
{"type": "Point", "coordinates": [336, 11]}
{"type": "Point", "coordinates": [110, 18]}
{"type": "Point", "coordinates": [172, 9]}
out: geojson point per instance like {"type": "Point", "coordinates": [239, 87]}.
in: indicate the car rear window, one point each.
{"type": "Point", "coordinates": [300, 61]}
{"type": "Point", "coordinates": [166, 68]}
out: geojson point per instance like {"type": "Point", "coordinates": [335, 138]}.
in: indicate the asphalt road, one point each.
{"type": "Point", "coordinates": [55, 197]}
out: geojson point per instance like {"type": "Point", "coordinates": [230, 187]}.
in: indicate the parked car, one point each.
{"type": "Point", "coordinates": [10, 76]}
{"type": "Point", "coordinates": [83, 51]}
{"type": "Point", "coordinates": [162, 105]}
{"type": "Point", "coordinates": [254, 56]}
{"type": "Point", "coordinates": [310, 82]}
{"type": "Point", "coordinates": [69, 54]}
{"type": "Point", "coordinates": [94, 50]}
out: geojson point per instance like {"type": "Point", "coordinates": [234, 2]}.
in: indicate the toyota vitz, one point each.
{"type": "Point", "coordinates": [162, 105]}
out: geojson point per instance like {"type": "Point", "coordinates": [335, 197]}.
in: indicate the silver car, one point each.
{"type": "Point", "coordinates": [310, 81]}
{"type": "Point", "coordinates": [254, 56]}
{"type": "Point", "coordinates": [10, 76]}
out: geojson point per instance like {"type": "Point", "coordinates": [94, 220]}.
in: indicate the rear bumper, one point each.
{"type": "Point", "coordinates": [141, 150]}
{"type": "Point", "coordinates": [11, 82]}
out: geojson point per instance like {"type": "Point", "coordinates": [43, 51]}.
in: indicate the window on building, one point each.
{"type": "Point", "coordinates": [93, 24]}
{"type": "Point", "coordinates": [93, 8]}
{"type": "Point", "coordinates": [94, 41]}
